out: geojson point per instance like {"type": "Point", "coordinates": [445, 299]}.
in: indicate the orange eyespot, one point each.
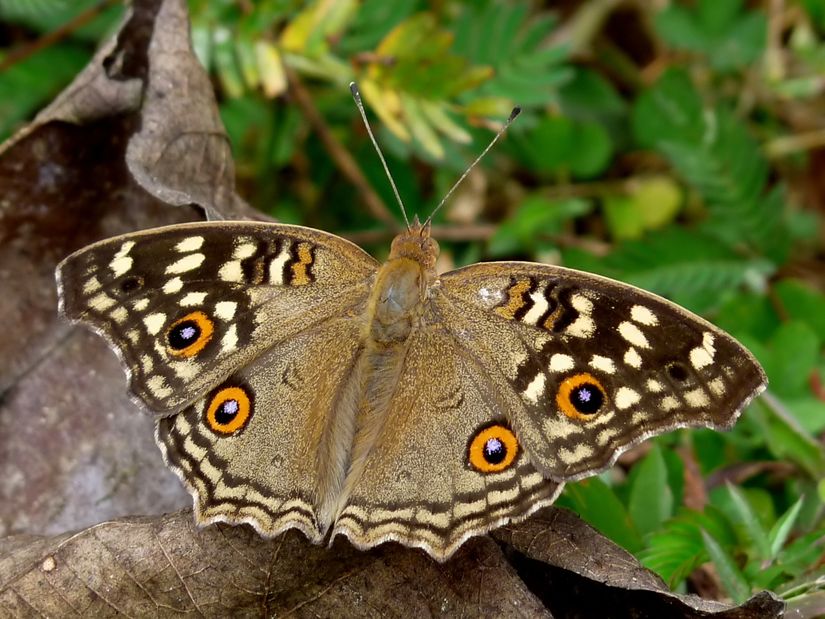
{"type": "Point", "coordinates": [187, 336]}
{"type": "Point", "coordinates": [493, 449]}
{"type": "Point", "coordinates": [581, 396]}
{"type": "Point", "coordinates": [229, 410]}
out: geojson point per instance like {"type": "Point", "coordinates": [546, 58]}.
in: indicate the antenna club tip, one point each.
{"type": "Point", "coordinates": [516, 111]}
{"type": "Point", "coordinates": [353, 88]}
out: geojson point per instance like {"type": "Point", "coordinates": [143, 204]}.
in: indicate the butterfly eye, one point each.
{"type": "Point", "coordinates": [229, 410]}
{"type": "Point", "coordinates": [581, 396]}
{"type": "Point", "coordinates": [187, 336]}
{"type": "Point", "coordinates": [493, 449]}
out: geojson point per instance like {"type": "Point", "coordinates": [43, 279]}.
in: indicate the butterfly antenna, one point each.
{"type": "Point", "coordinates": [357, 96]}
{"type": "Point", "coordinates": [516, 111]}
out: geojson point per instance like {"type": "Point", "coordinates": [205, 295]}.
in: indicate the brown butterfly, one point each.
{"type": "Point", "coordinates": [298, 383]}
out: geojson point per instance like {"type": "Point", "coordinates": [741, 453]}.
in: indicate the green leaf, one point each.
{"type": "Point", "coordinates": [506, 37]}
{"type": "Point", "coordinates": [781, 529]}
{"type": "Point", "coordinates": [670, 111]}
{"type": "Point", "coordinates": [748, 519]}
{"type": "Point", "coordinates": [676, 549]}
{"type": "Point", "coordinates": [536, 216]}
{"type": "Point", "coordinates": [729, 573]}
{"type": "Point", "coordinates": [589, 96]}
{"type": "Point", "coordinates": [716, 30]}
{"type": "Point", "coordinates": [785, 438]}
{"type": "Point", "coordinates": [692, 269]}
{"type": "Point", "coordinates": [801, 302]}
{"type": "Point", "coordinates": [592, 153]}
{"type": "Point", "coordinates": [748, 312]}
{"type": "Point", "coordinates": [596, 502]}
{"type": "Point", "coordinates": [651, 500]}
{"type": "Point", "coordinates": [794, 352]}
{"type": "Point", "coordinates": [29, 84]}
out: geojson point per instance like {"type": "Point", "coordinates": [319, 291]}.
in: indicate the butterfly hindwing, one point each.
{"type": "Point", "coordinates": [250, 450]}
{"type": "Point", "coordinates": [187, 305]}
{"type": "Point", "coordinates": [444, 463]}
{"type": "Point", "coordinates": [591, 366]}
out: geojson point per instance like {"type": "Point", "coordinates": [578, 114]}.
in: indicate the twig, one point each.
{"type": "Point", "coordinates": [55, 36]}
{"type": "Point", "coordinates": [345, 162]}
{"type": "Point", "coordinates": [789, 144]}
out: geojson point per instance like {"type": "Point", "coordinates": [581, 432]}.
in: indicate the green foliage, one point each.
{"type": "Point", "coordinates": [728, 37]}
{"type": "Point", "coordinates": [30, 84]}
{"type": "Point", "coordinates": [675, 155]}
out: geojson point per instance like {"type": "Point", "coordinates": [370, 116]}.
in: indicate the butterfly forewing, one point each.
{"type": "Point", "coordinates": [591, 366]}
{"type": "Point", "coordinates": [187, 305]}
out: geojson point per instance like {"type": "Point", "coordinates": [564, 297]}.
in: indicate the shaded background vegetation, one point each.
{"type": "Point", "coordinates": [677, 146]}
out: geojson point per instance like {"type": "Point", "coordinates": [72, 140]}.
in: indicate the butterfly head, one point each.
{"type": "Point", "coordinates": [417, 244]}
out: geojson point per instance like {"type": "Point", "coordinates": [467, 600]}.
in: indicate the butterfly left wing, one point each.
{"type": "Point", "coordinates": [590, 366]}
{"type": "Point", "coordinates": [443, 465]}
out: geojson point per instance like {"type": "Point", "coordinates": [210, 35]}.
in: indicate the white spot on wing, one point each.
{"type": "Point", "coordinates": [632, 334]}
{"type": "Point", "coordinates": [561, 427]}
{"type": "Point", "coordinates": [243, 250]}
{"type": "Point", "coordinates": [717, 387]}
{"type": "Point", "coordinates": [490, 297]}
{"type": "Point", "coordinates": [154, 322]}
{"type": "Point", "coordinates": [231, 271]}
{"type": "Point", "coordinates": [185, 264]}
{"type": "Point", "coordinates": [561, 363]}
{"type": "Point", "coordinates": [92, 284]}
{"type": "Point", "coordinates": [699, 358]}
{"type": "Point", "coordinates": [157, 385]}
{"type": "Point", "coordinates": [534, 389]}
{"type": "Point", "coordinates": [121, 265]}
{"type": "Point", "coordinates": [582, 304]}
{"type": "Point", "coordinates": [193, 298]}
{"type": "Point", "coordinates": [141, 304]}
{"type": "Point", "coordinates": [193, 243]}
{"type": "Point", "coordinates": [643, 315]}
{"type": "Point", "coordinates": [225, 310]}
{"type": "Point", "coordinates": [276, 268]}
{"type": "Point", "coordinates": [125, 249]}
{"type": "Point", "coordinates": [101, 302]}
{"type": "Point", "coordinates": [581, 452]}
{"type": "Point", "coordinates": [697, 398]}
{"type": "Point", "coordinates": [654, 386]}
{"type": "Point", "coordinates": [669, 403]}
{"type": "Point", "coordinates": [626, 397]}
{"type": "Point", "coordinates": [540, 306]}
{"type": "Point", "coordinates": [603, 364]}
{"type": "Point", "coordinates": [632, 358]}
{"type": "Point", "coordinates": [173, 285]}
{"type": "Point", "coordinates": [229, 342]}
{"type": "Point", "coordinates": [119, 314]}
{"type": "Point", "coordinates": [583, 326]}
{"type": "Point", "coordinates": [187, 370]}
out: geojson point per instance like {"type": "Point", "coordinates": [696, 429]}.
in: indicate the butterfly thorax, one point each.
{"type": "Point", "coordinates": [397, 299]}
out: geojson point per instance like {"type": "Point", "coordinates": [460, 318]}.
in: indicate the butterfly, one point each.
{"type": "Point", "coordinates": [297, 382]}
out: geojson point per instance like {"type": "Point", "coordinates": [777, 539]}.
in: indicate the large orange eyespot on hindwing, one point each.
{"type": "Point", "coordinates": [581, 396]}
{"type": "Point", "coordinates": [493, 448]}
{"type": "Point", "coordinates": [187, 336]}
{"type": "Point", "coordinates": [228, 410]}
